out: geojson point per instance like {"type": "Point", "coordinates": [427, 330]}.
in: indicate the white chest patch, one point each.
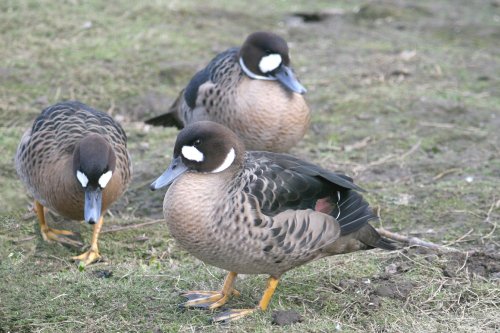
{"type": "Point", "coordinates": [104, 179]}
{"type": "Point", "coordinates": [227, 161]}
{"type": "Point", "coordinates": [82, 178]}
{"type": "Point", "coordinates": [269, 63]}
{"type": "Point", "coordinates": [192, 154]}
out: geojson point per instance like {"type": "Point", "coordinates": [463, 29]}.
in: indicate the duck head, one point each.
{"type": "Point", "coordinates": [203, 147]}
{"type": "Point", "coordinates": [264, 56]}
{"type": "Point", "coordinates": [93, 164]}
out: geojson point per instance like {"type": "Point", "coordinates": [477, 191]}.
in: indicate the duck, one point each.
{"type": "Point", "coordinates": [74, 161]}
{"type": "Point", "coordinates": [257, 212]}
{"type": "Point", "coordinates": [251, 89]}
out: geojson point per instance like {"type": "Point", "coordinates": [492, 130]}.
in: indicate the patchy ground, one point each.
{"type": "Point", "coordinates": [405, 97]}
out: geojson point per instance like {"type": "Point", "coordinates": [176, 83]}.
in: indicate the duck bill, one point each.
{"type": "Point", "coordinates": [93, 204]}
{"type": "Point", "coordinates": [175, 169]}
{"type": "Point", "coordinates": [285, 75]}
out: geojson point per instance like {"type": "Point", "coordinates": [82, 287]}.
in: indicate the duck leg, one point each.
{"type": "Point", "coordinates": [235, 314]}
{"type": "Point", "coordinates": [92, 255]}
{"type": "Point", "coordinates": [50, 234]}
{"type": "Point", "coordinates": [211, 299]}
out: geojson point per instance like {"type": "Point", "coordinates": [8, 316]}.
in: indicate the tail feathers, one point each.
{"type": "Point", "coordinates": [169, 119]}
{"type": "Point", "coordinates": [384, 243]}
{"type": "Point", "coordinates": [165, 120]}
{"type": "Point", "coordinates": [353, 214]}
{"type": "Point", "coordinates": [351, 211]}
{"type": "Point", "coordinates": [372, 239]}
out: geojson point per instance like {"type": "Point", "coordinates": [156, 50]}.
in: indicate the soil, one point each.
{"type": "Point", "coordinates": [287, 317]}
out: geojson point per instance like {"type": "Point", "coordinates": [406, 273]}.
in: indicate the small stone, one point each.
{"type": "Point", "coordinates": [374, 302]}
{"type": "Point", "coordinates": [345, 284]}
{"type": "Point", "coordinates": [391, 269]}
{"type": "Point", "coordinates": [100, 274]}
{"type": "Point", "coordinates": [448, 272]}
{"type": "Point", "coordinates": [87, 25]}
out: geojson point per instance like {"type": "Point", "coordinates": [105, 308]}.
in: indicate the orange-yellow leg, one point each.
{"type": "Point", "coordinates": [50, 234]}
{"type": "Point", "coordinates": [92, 255]}
{"type": "Point", "coordinates": [235, 314]}
{"type": "Point", "coordinates": [211, 299]}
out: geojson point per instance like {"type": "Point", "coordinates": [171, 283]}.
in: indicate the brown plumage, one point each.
{"type": "Point", "coordinates": [257, 212]}
{"type": "Point", "coordinates": [74, 161]}
{"type": "Point", "coordinates": [252, 90]}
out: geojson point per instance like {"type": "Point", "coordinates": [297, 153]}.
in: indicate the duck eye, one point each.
{"type": "Point", "coordinates": [197, 142]}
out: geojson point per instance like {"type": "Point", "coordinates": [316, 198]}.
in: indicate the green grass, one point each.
{"type": "Point", "coordinates": [411, 140]}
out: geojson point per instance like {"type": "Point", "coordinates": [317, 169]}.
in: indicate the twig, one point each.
{"type": "Point", "coordinates": [388, 158]}
{"type": "Point", "coordinates": [495, 204]}
{"type": "Point", "coordinates": [132, 226]}
{"type": "Point", "coordinates": [471, 130]}
{"type": "Point", "coordinates": [465, 262]}
{"type": "Point", "coordinates": [358, 145]}
{"type": "Point", "coordinates": [381, 160]}
{"type": "Point", "coordinates": [26, 239]}
{"type": "Point", "coordinates": [409, 152]}
{"type": "Point", "coordinates": [459, 239]}
{"type": "Point", "coordinates": [445, 173]}
{"type": "Point", "coordinates": [414, 241]}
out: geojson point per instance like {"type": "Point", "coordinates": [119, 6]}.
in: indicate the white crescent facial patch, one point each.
{"type": "Point", "coordinates": [104, 179]}
{"type": "Point", "coordinates": [253, 75]}
{"type": "Point", "coordinates": [269, 63]}
{"type": "Point", "coordinates": [82, 178]}
{"type": "Point", "coordinates": [192, 154]}
{"type": "Point", "coordinates": [227, 161]}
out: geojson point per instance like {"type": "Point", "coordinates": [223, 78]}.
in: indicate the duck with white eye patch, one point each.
{"type": "Point", "coordinates": [255, 212]}
{"type": "Point", "coordinates": [74, 161]}
{"type": "Point", "coordinates": [252, 90]}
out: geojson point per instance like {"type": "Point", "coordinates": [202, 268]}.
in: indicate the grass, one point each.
{"type": "Point", "coordinates": [431, 160]}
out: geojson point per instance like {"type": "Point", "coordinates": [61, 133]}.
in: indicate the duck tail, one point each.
{"type": "Point", "coordinates": [353, 214]}
{"type": "Point", "coordinates": [170, 118]}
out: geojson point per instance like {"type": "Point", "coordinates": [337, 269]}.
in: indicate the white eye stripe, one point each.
{"type": "Point", "coordinates": [269, 63]}
{"type": "Point", "coordinates": [82, 178]}
{"type": "Point", "coordinates": [192, 153]}
{"type": "Point", "coordinates": [227, 161]}
{"type": "Point", "coordinates": [105, 178]}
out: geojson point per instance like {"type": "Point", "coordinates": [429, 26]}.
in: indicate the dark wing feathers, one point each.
{"type": "Point", "coordinates": [211, 73]}
{"type": "Point", "coordinates": [191, 91]}
{"type": "Point", "coordinates": [308, 169]}
{"type": "Point", "coordinates": [66, 122]}
{"type": "Point", "coordinates": [90, 117]}
{"type": "Point", "coordinates": [285, 182]}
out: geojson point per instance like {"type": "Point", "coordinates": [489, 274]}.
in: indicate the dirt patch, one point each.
{"type": "Point", "coordinates": [282, 318]}
{"type": "Point", "coordinates": [395, 284]}
{"type": "Point", "coordinates": [145, 106]}
{"type": "Point", "coordinates": [387, 10]}
{"type": "Point", "coordinates": [483, 263]}
{"type": "Point", "coordinates": [479, 264]}
{"type": "Point", "coordinates": [385, 286]}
